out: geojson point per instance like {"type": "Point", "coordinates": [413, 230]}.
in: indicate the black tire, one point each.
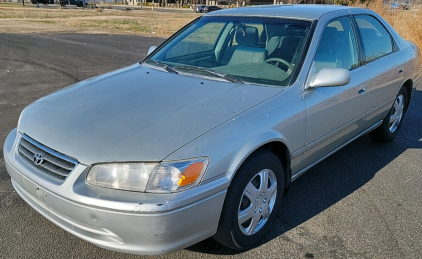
{"type": "Point", "coordinates": [392, 122]}
{"type": "Point", "coordinates": [240, 234]}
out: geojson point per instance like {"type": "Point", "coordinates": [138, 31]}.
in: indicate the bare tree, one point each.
{"type": "Point", "coordinates": [231, 2]}
{"type": "Point", "coordinates": [194, 4]}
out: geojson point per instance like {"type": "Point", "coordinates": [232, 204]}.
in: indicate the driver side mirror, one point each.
{"type": "Point", "coordinates": [330, 77]}
{"type": "Point", "coordinates": [151, 49]}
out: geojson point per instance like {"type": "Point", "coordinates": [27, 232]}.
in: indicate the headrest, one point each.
{"type": "Point", "coordinates": [275, 30]}
{"type": "Point", "coordinates": [247, 36]}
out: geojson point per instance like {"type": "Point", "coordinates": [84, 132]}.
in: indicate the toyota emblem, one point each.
{"type": "Point", "coordinates": [38, 159]}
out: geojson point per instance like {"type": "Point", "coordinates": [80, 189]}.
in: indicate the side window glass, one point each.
{"type": "Point", "coordinates": [337, 47]}
{"type": "Point", "coordinates": [376, 39]}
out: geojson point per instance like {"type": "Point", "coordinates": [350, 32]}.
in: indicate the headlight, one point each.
{"type": "Point", "coordinates": [144, 177]}
{"type": "Point", "coordinates": [131, 176]}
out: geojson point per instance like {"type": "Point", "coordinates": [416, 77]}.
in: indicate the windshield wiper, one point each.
{"type": "Point", "coordinates": [161, 64]}
{"type": "Point", "coordinates": [212, 72]}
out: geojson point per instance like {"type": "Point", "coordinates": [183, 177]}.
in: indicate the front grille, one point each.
{"type": "Point", "coordinates": [46, 160]}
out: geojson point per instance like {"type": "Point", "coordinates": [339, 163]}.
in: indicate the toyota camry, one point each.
{"type": "Point", "coordinates": [204, 136]}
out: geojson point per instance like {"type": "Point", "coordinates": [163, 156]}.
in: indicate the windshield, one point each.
{"type": "Point", "coordinates": [238, 49]}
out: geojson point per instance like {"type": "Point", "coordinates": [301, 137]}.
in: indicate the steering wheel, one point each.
{"type": "Point", "coordinates": [277, 60]}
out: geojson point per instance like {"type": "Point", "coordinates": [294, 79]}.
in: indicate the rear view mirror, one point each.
{"type": "Point", "coordinates": [330, 77]}
{"type": "Point", "coordinates": [151, 49]}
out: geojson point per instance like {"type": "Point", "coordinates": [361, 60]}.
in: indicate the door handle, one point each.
{"type": "Point", "coordinates": [401, 71]}
{"type": "Point", "coordinates": [362, 91]}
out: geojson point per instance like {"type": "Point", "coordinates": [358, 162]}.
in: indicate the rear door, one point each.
{"type": "Point", "coordinates": [384, 63]}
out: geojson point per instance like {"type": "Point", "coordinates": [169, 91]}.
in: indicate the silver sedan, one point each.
{"type": "Point", "coordinates": [205, 135]}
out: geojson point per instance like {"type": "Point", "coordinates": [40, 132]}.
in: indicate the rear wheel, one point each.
{"type": "Point", "coordinates": [252, 202]}
{"type": "Point", "coordinates": [391, 124]}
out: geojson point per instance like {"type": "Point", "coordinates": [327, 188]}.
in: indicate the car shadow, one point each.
{"type": "Point", "coordinates": [336, 177]}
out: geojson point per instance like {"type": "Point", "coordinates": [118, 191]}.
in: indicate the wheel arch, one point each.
{"type": "Point", "coordinates": [229, 232]}
{"type": "Point", "coordinates": [283, 154]}
{"type": "Point", "coordinates": [281, 150]}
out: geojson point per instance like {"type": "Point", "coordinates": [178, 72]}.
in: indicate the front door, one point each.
{"type": "Point", "coordinates": [334, 114]}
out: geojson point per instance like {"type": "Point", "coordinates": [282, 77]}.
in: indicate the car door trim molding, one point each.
{"type": "Point", "coordinates": [334, 132]}
{"type": "Point", "coordinates": [298, 174]}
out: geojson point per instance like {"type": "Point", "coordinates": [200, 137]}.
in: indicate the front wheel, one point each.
{"type": "Point", "coordinates": [391, 124]}
{"type": "Point", "coordinates": [252, 202]}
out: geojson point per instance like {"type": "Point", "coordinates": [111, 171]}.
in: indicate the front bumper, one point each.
{"type": "Point", "coordinates": [122, 221]}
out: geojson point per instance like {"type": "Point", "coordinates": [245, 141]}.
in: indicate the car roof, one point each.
{"type": "Point", "coordinates": [306, 12]}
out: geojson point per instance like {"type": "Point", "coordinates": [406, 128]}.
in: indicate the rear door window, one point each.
{"type": "Point", "coordinates": [377, 42]}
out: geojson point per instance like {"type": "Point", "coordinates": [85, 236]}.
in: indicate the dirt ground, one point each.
{"type": "Point", "coordinates": [100, 21]}
{"type": "Point", "coordinates": [25, 26]}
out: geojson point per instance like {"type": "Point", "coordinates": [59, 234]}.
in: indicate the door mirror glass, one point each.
{"type": "Point", "coordinates": [330, 77]}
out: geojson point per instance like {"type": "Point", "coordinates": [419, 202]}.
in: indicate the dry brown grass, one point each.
{"type": "Point", "coordinates": [408, 23]}
{"type": "Point", "coordinates": [161, 24]}
{"type": "Point", "coordinates": [23, 13]}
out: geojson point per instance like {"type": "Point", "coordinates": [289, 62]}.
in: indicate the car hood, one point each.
{"type": "Point", "coordinates": [135, 114]}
